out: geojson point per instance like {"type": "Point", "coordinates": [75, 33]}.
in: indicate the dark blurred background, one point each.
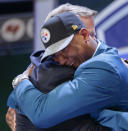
{"type": "Point", "coordinates": [18, 30]}
{"type": "Point", "coordinates": [16, 44]}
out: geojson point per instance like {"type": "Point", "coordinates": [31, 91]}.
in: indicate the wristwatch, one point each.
{"type": "Point", "coordinates": [18, 79]}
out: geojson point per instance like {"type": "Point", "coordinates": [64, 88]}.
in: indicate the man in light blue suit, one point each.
{"type": "Point", "coordinates": [100, 81]}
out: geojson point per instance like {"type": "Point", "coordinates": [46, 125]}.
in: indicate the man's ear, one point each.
{"type": "Point", "coordinates": [84, 33]}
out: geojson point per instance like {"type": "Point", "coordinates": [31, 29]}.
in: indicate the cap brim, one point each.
{"type": "Point", "coordinates": [58, 46]}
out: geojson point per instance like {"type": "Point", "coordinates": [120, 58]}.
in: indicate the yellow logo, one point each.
{"type": "Point", "coordinates": [74, 27]}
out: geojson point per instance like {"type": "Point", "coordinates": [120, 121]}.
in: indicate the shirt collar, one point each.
{"type": "Point", "coordinates": [99, 43]}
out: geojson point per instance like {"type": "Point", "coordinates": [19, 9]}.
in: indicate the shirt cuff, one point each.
{"type": "Point", "coordinates": [11, 102]}
{"type": "Point", "coordinates": [17, 92]}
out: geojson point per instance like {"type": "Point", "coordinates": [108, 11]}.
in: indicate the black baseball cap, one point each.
{"type": "Point", "coordinates": [58, 31]}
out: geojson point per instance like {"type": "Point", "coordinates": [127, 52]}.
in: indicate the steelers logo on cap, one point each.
{"type": "Point", "coordinates": [45, 35]}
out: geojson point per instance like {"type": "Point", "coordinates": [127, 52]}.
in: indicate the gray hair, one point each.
{"type": "Point", "coordinates": [76, 9]}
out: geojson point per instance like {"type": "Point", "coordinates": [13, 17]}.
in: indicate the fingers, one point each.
{"type": "Point", "coordinates": [11, 119]}
{"type": "Point", "coordinates": [30, 70]}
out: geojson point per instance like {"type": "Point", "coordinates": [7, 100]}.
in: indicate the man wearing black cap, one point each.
{"type": "Point", "coordinates": [91, 88]}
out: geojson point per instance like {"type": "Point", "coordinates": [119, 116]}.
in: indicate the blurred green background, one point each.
{"type": "Point", "coordinates": [10, 67]}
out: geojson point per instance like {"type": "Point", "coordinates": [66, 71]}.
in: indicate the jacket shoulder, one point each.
{"type": "Point", "coordinates": [103, 61]}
